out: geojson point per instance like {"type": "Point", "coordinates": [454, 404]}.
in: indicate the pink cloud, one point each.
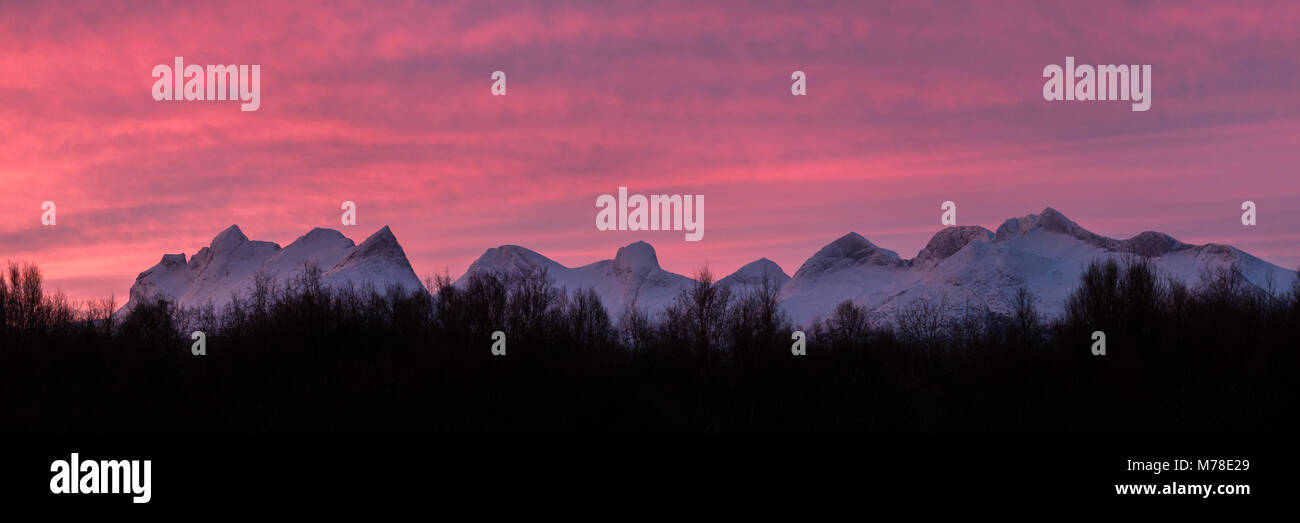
{"type": "Point", "coordinates": [388, 105]}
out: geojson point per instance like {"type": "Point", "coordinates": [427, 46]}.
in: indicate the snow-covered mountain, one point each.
{"type": "Point", "coordinates": [227, 266]}
{"type": "Point", "coordinates": [972, 266]}
{"type": "Point", "coordinates": [751, 277]}
{"type": "Point", "coordinates": [633, 276]}
{"type": "Point", "coordinates": [962, 266]}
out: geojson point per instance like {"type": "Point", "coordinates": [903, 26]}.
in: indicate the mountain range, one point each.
{"type": "Point", "coordinates": [228, 266]}
{"type": "Point", "coordinates": [961, 266]}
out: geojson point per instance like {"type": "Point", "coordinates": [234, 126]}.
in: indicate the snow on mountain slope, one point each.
{"type": "Point", "coordinates": [512, 261]}
{"type": "Point", "coordinates": [964, 267]}
{"type": "Point", "coordinates": [378, 262]}
{"type": "Point", "coordinates": [750, 277]}
{"type": "Point", "coordinates": [170, 277]}
{"type": "Point", "coordinates": [325, 247]}
{"type": "Point", "coordinates": [970, 266]}
{"type": "Point", "coordinates": [947, 242]}
{"type": "Point", "coordinates": [227, 266]}
{"type": "Point", "coordinates": [633, 275]}
{"type": "Point", "coordinates": [850, 268]}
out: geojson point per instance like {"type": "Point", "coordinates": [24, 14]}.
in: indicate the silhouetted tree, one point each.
{"type": "Point", "coordinates": [304, 356]}
{"type": "Point", "coordinates": [699, 312]}
{"type": "Point", "coordinates": [1025, 320]}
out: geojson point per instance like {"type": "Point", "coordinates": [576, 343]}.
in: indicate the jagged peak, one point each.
{"type": "Point", "coordinates": [1050, 211]}
{"type": "Point", "coordinates": [384, 234]}
{"type": "Point", "coordinates": [381, 243]}
{"type": "Point", "coordinates": [1220, 249]}
{"type": "Point", "coordinates": [1049, 220]}
{"type": "Point", "coordinates": [1053, 220]}
{"type": "Point", "coordinates": [1016, 226]}
{"type": "Point", "coordinates": [949, 240]}
{"type": "Point", "coordinates": [173, 260]}
{"type": "Point", "coordinates": [228, 239]}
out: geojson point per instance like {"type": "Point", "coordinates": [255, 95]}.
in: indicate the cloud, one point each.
{"type": "Point", "coordinates": [387, 105]}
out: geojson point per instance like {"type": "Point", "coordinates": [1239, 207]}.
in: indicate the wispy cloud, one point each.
{"type": "Point", "coordinates": [387, 104]}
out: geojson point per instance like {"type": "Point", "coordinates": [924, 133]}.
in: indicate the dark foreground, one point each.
{"type": "Point", "coordinates": [297, 357]}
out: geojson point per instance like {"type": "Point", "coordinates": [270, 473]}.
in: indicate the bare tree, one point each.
{"type": "Point", "coordinates": [757, 315]}
{"type": "Point", "coordinates": [263, 293]}
{"type": "Point", "coordinates": [5, 303]}
{"type": "Point", "coordinates": [703, 306]}
{"type": "Point", "coordinates": [1025, 320]}
{"type": "Point", "coordinates": [1222, 283]}
{"type": "Point", "coordinates": [531, 302]}
{"type": "Point", "coordinates": [1295, 294]}
{"type": "Point", "coordinates": [587, 319]}
{"type": "Point", "coordinates": [923, 320]}
{"type": "Point", "coordinates": [99, 312]}
{"type": "Point", "coordinates": [634, 326]}
{"type": "Point", "coordinates": [847, 324]}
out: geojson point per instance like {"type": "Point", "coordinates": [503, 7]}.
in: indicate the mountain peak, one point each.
{"type": "Point", "coordinates": [228, 239]}
{"type": "Point", "coordinates": [382, 242]}
{"type": "Point", "coordinates": [378, 261]}
{"type": "Point", "coordinates": [318, 239]}
{"type": "Point", "coordinates": [173, 260]}
{"type": "Point", "coordinates": [753, 274]}
{"type": "Point", "coordinates": [948, 241]}
{"type": "Point", "coordinates": [854, 247]}
{"type": "Point", "coordinates": [1049, 220]}
{"type": "Point", "coordinates": [509, 251]}
{"type": "Point", "coordinates": [636, 256]}
{"type": "Point", "coordinates": [322, 233]}
{"type": "Point", "coordinates": [384, 233]}
{"type": "Point", "coordinates": [849, 251]}
{"type": "Point", "coordinates": [1151, 244]}
{"type": "Point", "coordinates": [226, 268]}
{"type": "Point", "coordinates": [760, 267]}
{"type": "Point", "coordinates": [510, 260]}
{"type": "Point", "coordinates": [851, 240]}
{"type": "Point", "coordinates": [323, 247]}
{"type": "Point", "coordinates": [1053, 220]}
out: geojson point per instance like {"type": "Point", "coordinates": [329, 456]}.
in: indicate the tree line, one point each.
{"type": "Point", "coordinates": [1217, 355]}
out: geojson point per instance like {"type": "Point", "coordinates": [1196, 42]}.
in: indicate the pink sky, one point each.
{"type": "Point", "coordinates": [388, 105]}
